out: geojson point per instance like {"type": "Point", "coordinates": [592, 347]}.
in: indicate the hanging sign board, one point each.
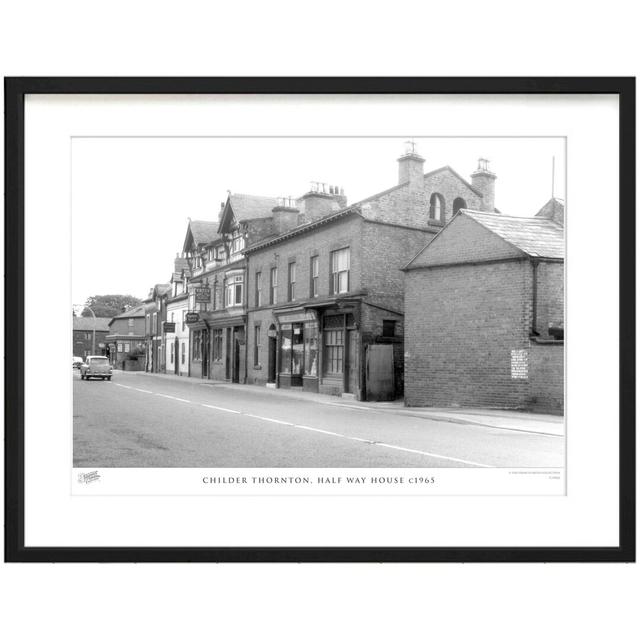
{"type": "Point", "coordinates": [169, 327]}
{"type": "Point", "coordinates": [192, 317]}
{"type": "Point", "coordinates": [203, 295]}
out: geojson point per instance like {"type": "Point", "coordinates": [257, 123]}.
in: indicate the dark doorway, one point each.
{"type": "Point", "coordinates": [236, 359]}
{"type": "Point", "coordinates": [273, 345]}
{"type": "Point", "coordinates": [227, 356]}
{"type": "Point", "coordinates": [205, 354]}
{"type": "Point", "coordinates": [176, 356]}
{"type": "Point", "coordinates": [352, 364]}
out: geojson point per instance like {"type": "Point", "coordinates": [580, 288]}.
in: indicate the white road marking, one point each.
{"type": "Point", "coordinates": [164, 395]}
{"type": "Point", "coordinates": [329, 433]}
{"type": "Point", "coordinates": [306, 428]}
{"type": "Point", "coordinates": [431, 455]}
{"type": "Point", "coordinates": [251, 415]}
{"type": "Point", "coordinates": [210, 406]}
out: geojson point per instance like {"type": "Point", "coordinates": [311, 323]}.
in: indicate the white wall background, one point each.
{"type": "Point", "coordinates": [335, 38]}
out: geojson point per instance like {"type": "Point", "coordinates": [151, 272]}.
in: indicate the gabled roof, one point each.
{"type": "Point", "coordinates": [241, 207]}
{"type": "Point", "coordinates": [86, 324]}
{"type": "Point", "coordinates": [537, 237]}
{"type": "Point", "coordinates": [200, 232]}
{"type": "Point", "coordinates": [553, 209]}
{"type": "Point", "coordinates": [136, 312]}
{"type": "Point", "coordinates": [456, 174]}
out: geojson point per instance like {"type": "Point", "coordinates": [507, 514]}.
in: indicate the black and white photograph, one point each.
{"type": "Point", "coordinates": [318, 302]}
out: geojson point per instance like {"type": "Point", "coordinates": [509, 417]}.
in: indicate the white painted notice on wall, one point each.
{"type": "Point", "coordinates": [520, 364]}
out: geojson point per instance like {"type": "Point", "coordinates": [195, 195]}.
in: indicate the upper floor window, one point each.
{"type": "Point", "coordinates": [237, 243]}
{"type": "Point", "coordinates": [273, 286]}
{"type": "Point", "coordinates": [340, 264]}
{"type": "Point", "coordinates": [436, 207]}
{"type": "Point", "coordinates": [154, 325]}
{"type": "Point", "coordinates": [459, 203]}
{"type": "Point", "coordinates": [291, 290]}
{"type": "Point", "coordinates": [130, 322]}
{"type": "Point", "coordinates": [233, 294]}
{"type": "Point", "coordinates": [314, 271]}
{"type": "Point", "coordinates": [258, 289]}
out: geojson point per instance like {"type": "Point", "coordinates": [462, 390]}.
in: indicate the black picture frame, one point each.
{"type": "Point", "coordinates": [15, 91]}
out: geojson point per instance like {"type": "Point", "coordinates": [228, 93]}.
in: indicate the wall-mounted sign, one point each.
{"type": "Point", "coordinates": [192, 317]}
{"type": "Point", "coordinates": [169, 327]}
{"type": "Point", "coordinates": [272, 333]}
{"type": "Point", "coordinates": [203, 295]}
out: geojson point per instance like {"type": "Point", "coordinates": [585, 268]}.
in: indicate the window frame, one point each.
{"type": "Point", "coordinates": [335, 272]}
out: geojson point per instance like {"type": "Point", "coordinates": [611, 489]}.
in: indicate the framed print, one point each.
{"type": "Point", "coordinates": [320, 319]}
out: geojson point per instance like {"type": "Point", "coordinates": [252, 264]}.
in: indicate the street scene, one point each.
{"type": "Point", "coordinates": [144, 420]}
{"type": "Point", "coordinates": [421, 326]}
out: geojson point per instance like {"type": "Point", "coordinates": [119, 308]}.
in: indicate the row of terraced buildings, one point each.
{"type": "Point", "coordinates": [423, 291]}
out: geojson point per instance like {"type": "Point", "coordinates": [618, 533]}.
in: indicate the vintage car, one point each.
{"type": "Point", "coordinates": [96, 367]}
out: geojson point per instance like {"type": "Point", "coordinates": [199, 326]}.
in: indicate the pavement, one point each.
{"type": "Point", "coordinates": [498, 418]}
{"type": "Point", "coordinates": [162, 420]}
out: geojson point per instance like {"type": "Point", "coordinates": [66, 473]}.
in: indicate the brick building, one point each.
{"type": "Point", "coordinates": [83, 336]}
{"type": "Point", "coordinates": [177, 342]}
{"type": "Point", "coordinates": [126, 335]}
{"type": "Point", "coordinates": [217, 303]}
{"type": "Point", "coordinates": [155, 307]}
{"type": "Point", "coordinates": [325, 292]}
{"type": "Point", "coordinates": [484, 304]}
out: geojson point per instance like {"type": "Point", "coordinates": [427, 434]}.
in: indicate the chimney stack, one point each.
{"type": "Point", "coordinates": [285, 214]}
{"type": "Point", "coordinates": [411, 166]}
{"type": "Point", "coordinates": [321, 200]}
{"type": "Point", "coordinates": [484, 181]}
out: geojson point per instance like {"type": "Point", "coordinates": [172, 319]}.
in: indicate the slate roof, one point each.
{"type": "Point", "coordinates": [248, 207]}
{"type": "Point", "coordinates": [203, 231]}
{"type": "Point", "coordinates": [86, 324]}
{"type": "Point", "coordinates": [136, 312]}
{"type": "Point", "coordinates": [537, 237]}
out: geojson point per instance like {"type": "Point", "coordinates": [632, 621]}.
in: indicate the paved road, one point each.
{"type": "Point", "coordinates": [148, 421]}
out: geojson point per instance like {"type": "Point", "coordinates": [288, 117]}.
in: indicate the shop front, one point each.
{"type": "Point", "coordinates": [297, 358]}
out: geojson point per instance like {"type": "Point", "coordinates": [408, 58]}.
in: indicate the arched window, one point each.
{"type": "Point", "coordinates": [458, 203]}
{"type": "Point", "coordinates": [436, 207]}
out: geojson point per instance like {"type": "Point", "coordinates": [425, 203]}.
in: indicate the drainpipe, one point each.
{"type": "Point", "coordinates": [534, 298]}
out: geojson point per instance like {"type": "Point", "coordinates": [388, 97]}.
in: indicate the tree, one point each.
{"type": "Point", "coordinates": [111, 305]}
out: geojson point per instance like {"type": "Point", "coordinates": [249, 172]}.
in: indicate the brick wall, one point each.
{"type": "Point", "coordinates": [462, 324]}
{"type": "Point", "coordinates": [82, 343]}
{"type": "Point", "coordinates": [546, 378]}
{"type": "Point", "coordinates": [410, 207]}
{"type": "Point", "coordinates": [385, 251]}
{"type": "Point", "coordinates": [466, 240]}
{"type": "Point", "coordinates": [550, 301]}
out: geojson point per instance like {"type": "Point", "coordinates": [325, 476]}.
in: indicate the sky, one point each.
{"type": "Point", "coordinates": [132, 197]}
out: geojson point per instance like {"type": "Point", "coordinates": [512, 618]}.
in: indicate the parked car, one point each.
{"type": "Point", "coordinates": [77, 362]}
{"type": "Point", "coordinates": [96, 367]}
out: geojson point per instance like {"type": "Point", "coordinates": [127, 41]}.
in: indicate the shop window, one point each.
{"type": "Point", "coordinates": [340, 265]}
{"type": "Point", "coordinates": [217, 345]}
{"type": "Point", "coordinates": [171, 352]}
{"type": "Point", "coordinates": [285, 348]}
{"type": "Point", "coordinates": [297, 349]}
{"type": "Point", "coordinates": [196, 346]}
{"type": "Point", "coordinates": [311, 349]}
